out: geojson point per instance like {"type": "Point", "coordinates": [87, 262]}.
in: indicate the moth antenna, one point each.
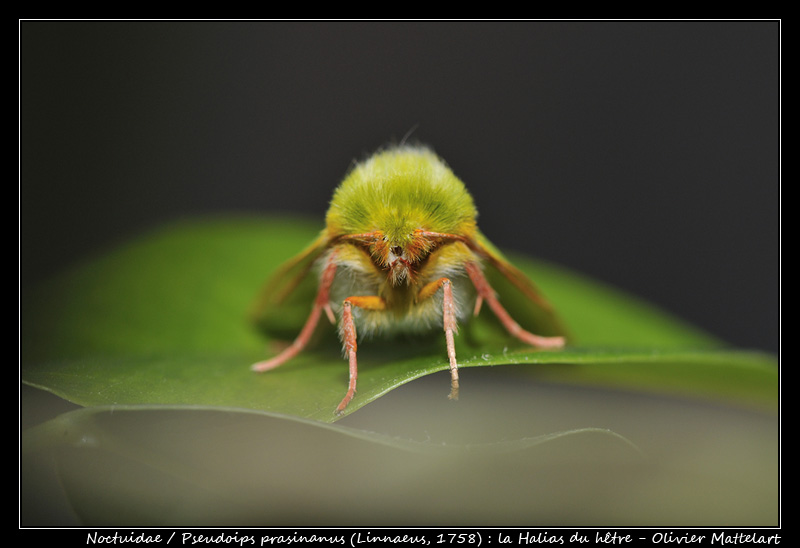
{"type": "Point", "coordinates": [408, 134]}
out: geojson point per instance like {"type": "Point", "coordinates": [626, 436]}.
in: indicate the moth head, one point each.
{"type": "Point", "coordinates": [399, 254]}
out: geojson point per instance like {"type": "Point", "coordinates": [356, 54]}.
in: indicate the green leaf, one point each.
{"type": "Point", "coordinates": [163, 320]}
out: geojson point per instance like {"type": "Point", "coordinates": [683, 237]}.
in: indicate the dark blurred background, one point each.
{"type": "Point", "coordinates": [644, 154]}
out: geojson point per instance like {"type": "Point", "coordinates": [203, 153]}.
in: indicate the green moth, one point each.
{"type": "Point", "coordinates": [401, 252]}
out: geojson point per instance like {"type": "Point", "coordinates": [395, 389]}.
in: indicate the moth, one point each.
{"type": "Point", "coordinates": [401, 253]}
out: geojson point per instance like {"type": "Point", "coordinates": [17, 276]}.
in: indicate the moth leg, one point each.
{"type": "Point", "coordinates": [322, 302]}
{"type": "Point", "coordinates": [350, 338]}
{"type": "Point", "coordinates": [450, 325]}
{"type": "Point", "coordinates": [486, 293]}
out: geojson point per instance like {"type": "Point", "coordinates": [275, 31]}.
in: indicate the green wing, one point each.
{"type": "Point", "coordinates": [285, 301]}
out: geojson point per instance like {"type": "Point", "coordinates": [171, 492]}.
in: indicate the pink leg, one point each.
{"type": "Point", "coordinates": [450, 325]}
{"type": "Point", "coordinates": [450, 328]}
{"type": "Point", "coordinates": [320, 303]}
{"type": "Point", "coordinates": [350, 338]}
{"type": "Point", "coordinates": [350, 347]}
{"type": "Point", "coordinates": [486, 293]}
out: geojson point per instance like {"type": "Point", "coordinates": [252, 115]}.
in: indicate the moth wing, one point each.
{"type": "Point", "coordinates": [285, 301]}
{"type": "Point", "coordinates": [518, 294]}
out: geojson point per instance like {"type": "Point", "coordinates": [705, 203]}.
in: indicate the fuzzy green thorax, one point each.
{"type": "Point", "coordinates": [398, 191]}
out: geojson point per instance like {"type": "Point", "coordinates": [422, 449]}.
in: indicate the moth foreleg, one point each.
{"type": "Point", "coordinates": [449, 323]}
{"type": "Point", "coordinates": [350, 340]}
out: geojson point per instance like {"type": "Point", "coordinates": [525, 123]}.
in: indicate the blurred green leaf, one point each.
{"type": "Point", "coordinates": [167, 466]}
{"type": "Point", "coordinates": [214, 466]}
{"type": "Point", "coordinates": [163, 320]}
